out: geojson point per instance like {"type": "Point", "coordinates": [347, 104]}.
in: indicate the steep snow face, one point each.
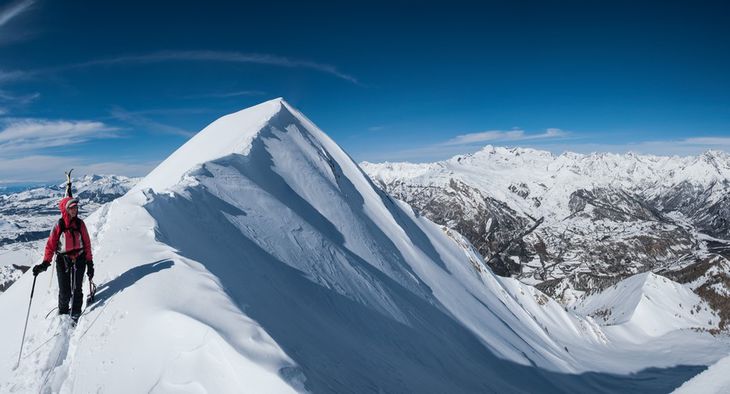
{"type": "Point", "coordinates": [157, 325]}
{"type": "Point", "coordinates": [649, 304]}
{"type": "Point", "coordinates": [232, 133]}
{"type": "Point", "coordinates": [716, 380]}
{"type": "Point", "coordinates": [267, 259]}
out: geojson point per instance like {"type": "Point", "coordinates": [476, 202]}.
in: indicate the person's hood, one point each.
{"type": "Point", "coordinates": [64, 214]}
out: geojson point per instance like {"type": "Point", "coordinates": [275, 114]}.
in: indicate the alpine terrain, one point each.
{"type": "Point", "coordinates": [575, 224]}
{"type": "Point", "coordinates": [27, 216]}
{"type": "Point", "coordinates": [259, 257]}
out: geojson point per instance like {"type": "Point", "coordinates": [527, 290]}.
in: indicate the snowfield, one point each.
{"type": "Point", "coordinates": [260, 258]}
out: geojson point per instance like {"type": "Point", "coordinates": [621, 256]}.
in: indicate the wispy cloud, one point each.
{"type": "Point", "coordinates": [709, 141]}
{"type": "Point", "coordinates": [554, 140]}
{"type": "Point", "coordinates": [213, 56]}
{"type": "Point", "coordinates": [136, 168]}
{"type": "Point", "coordinates": [227, 94]}
{"type": "Point", "coordinates": [35, 168]}
{"type": "Point", "coordinates": [10, 76]}
{"type": "Point", "coordinates": [461, 144]}
{"type": "Point", "coordinates": [21, 99]}
{"type": "Point", "coordinates": [10, 14]}
{"type": "Point", "coordinates": [44, 168]}
{"type": "Point", "coordinates": [680, 147]}
{"type": "Point", "coordinates": [377, 128]}
{"type": "Point", "coordinates": [10, 100]}
{"type": "Point", "coordinates": [501, 135]}
{"type": "Point", "coordinates": [189, 56]}
{"type": "Point", "coordinates": [14, 9]}
{"type": "Point", "coordinates": [415, 154]}
{"type": "Point", "coordinates": [141, 121]}
{"type": "Point", "coordinates": [27, 135]}
{"type": "Point", "coordinates": [689, 146]}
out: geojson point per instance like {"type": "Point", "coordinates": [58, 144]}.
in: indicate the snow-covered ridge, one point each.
{"type": "Point", "coordinates": [650, 304]}
{"type": "Point", "coordinates": [229, 134]}
{"type": "Point", "coordinates": [268, 260]}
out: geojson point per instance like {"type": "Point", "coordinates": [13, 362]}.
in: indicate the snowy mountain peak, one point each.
{"type": "Point", "coordinates": [229, 134]}
{"type": "Point", "coordinates": [511, 151]}
{"type": "Point", "coordinates": [650, 304]}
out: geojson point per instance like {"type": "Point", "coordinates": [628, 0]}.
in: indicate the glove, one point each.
{"type": "Point", "coordinates": [37, 269]}
{"type": "Point", "coordinates": [90, 269]}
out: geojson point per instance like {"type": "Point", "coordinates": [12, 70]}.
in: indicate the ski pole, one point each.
{"type": "Point", "coordinates": [53, 268]}
{"type": "Point", "coordinates": [32, 289]}
{"type": "Point", "coordinates": [73, 286]}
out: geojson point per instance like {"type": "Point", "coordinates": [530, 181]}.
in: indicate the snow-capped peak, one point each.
{"type": "Point", "coordinates": [229, 134]}
{"type": "Point", "coordinates": [650, 304]}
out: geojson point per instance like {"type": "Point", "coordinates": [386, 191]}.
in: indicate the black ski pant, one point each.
{"type": "Point", "coordinates": [70, 276]}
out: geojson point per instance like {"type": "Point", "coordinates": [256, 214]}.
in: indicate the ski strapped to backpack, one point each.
{"type": "Point", "coordinates": [68, 183]}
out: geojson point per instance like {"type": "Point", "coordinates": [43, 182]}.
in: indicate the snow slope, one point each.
{"type": "Point", "coordinates": [650, 304]}
{"type": "Point", "coordinates": [715, 380]}
{"type": "Point", "coordinates": [259, 257]}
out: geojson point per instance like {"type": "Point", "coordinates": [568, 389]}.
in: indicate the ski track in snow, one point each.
{"type": "Point", "coordinates": [47, 363]}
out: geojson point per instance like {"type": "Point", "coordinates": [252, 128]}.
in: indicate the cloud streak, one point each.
{"type": "Point", "coordinates": [551, 140]}
{"type": "Point", "coordinates": [227, 94]}
{"type": "Point", "coordinates": [13, 10]}
{"type": "Point", "coordinates": [709, 141]}
{"type": "Point", "coordinates": [45, 168]}
{"type": "Point", "coordinates": [140, 121]}
{"type": "Point", "coordinates": [214, 56]}
{"type": "Point", "coordinates": [10, 76]}
{"type": "Point", "coordinates": [187, 56]}
{"type": "Point", "coordinates": [501, 135]}
{"type": "Point", "coordinates": [18, 99]}
{"type": "Point", "coordinates": [26, 135]}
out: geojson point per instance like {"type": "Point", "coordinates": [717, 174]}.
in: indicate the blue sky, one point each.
{"type": "Point", "coordinates": [115, 87]}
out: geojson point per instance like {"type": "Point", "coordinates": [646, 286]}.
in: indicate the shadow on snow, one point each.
{"type": "Point", "coordinates": [342, 345]}
{"type": "Point", "coordinates": [107, 290]}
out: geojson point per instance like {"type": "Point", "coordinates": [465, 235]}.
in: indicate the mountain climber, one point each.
{"type": "Point", "coordinates": [69, 241]}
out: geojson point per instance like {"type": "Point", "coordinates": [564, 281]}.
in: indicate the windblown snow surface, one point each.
{"type": "Point", "coordinates": [259, 258]}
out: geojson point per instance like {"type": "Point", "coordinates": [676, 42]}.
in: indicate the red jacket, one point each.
{"type": "Point", "coordinates": [75, 237]}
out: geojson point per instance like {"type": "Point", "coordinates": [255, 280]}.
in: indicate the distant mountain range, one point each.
{"type": "Point", "coordinates": [575, 223]}
{"type": "Point", "coordinates": [27, 216]}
